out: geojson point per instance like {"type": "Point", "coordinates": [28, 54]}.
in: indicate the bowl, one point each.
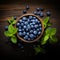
{"type": "Point", "coordinates": [36, 39]}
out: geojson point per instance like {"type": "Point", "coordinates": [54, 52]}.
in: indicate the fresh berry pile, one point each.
{"type": "Point", "coordinates": [29, 27]}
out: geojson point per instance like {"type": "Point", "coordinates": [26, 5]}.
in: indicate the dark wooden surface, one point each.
{"type": "Point", "coordinates": [8, 10]}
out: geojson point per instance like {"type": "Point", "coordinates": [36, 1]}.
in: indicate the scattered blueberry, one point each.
{"type": "Point", "coordinates": [24, 11]}
{"type": "Point", "coordinates": [35, 12]}
{"type": "Point", "coordinates": [48, 13]}
{"type": "Point", "coordinates": [6, 27]}
{"type": "Point", "coordinates": [15, 17]}
{"type": "Point", "coordinates": [41, 14]}
{"type": "Point", "coordinates": [27, 7]}
{"type": "Point", "coordinates": [38, 9]}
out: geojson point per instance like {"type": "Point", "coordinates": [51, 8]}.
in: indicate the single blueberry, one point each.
{"type": "Point", "coordinates": [38, 13]}
{"type": "Point", "coordinates": [40, 25]}
{"type": "Point", "coordinates": [24, 33]}
{"type": "Point", "coordinates": [41, 14]}
{"type": "Point", "coordinates": [6, 27]}
{"type": "Point", "coordinates": [34, 17]}
{"type": "Point", "coordinates": [19, 27]}
{"type": "Point", "coordinates": [20, 33]}
{"type": "Point", "coordinates": [18, 24]}
{"type": "Point", "coordinates": [29, 39]}
{"type": "Point", "coordinates": [40, 28]}
{"type": "Point", "coordinates": [28, 26]}
{"type": "Point", "coordinates": [36, 26]}
{"type": "Point", "coordinates": [23, 29]}
{"type": "Point", "coordinates": [39, 33]}
{"type": "Point", "coordinates": [27, 29]}
{"type": "Point", "coordinates": [30, 17]}
{"type": "Point", "coordinates": [20, 30]}
{"type": "Point", "coordinates": [27, 7]}
{"type": "Point", "coordinates": [26, 37]}
{"type": "Point", "coordinates": [26, 23]}
{"type": "Point", "coordinates": [32, 26]}
{"type": "Point", "coordinates": [24, 18]}
{"type": "Point", "coordinates": [48, 13]}
{"type": "Point", "coordinates": [31, 31]}
{"type": "Point", "coordinates": [20, 21]}
{"type": "Point", "coordinates": [31, 36]}
{"type": "Point", "coordinates": [24, 26]}
{"type": "Point", "coordinates": [35, 32]}
{"type": "Point", "coordinates": [27, 33]}
{"type": "Point", "coordinates": [24, 11]}
{"type": "Point", "coordinates": [38, 9]}
{"type": "Point", "coordinates": [15, 17]}
{"type": "Point", "coordinates": [35, 12]}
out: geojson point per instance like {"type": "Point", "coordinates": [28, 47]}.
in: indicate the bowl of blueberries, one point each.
{"type": "Point", "coordinates": [30, 28]}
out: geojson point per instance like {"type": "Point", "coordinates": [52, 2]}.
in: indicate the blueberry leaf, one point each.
{"type": "Point", "coordinates": [53, 39]}
{"type": "Point", "coordinates": [14, 22]}
{"type": "Point", "coordinates": [45, 39]}
{"type": "Point", "coordinates": [6, 33]}
{"type": "Point", "coordinates": [53, 31]}
{"type": "Point", "coordinates": [38, 49]}
{"type": "Point", "coordinates": [49, 24]}
{"type": "Point", "coordinates": [14, 39]}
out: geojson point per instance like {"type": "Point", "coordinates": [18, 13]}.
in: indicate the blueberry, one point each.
{"type": "Point", "coordinates": [26, 37]}
{"type": "Point", "coordinates": [24, 18]}
{"type": "Point", "coordinates": [27, 29]}
{"type": "Point", "coordinates": [38, 13]}
{"type": "Point", "coordinates": [31, 31]}
{"type": "Point", "coordinates": [40, 28]}
{"type": "Point", "coordinates": [29, 39]}
{"type": "Point", "coordinates": [36, 26]}
{"type": "Point", "coordinates": [27, 33]}
{"type": "Point", "coordinates": [24, 33]}
{"type": "Point", "coordinates": [22, 24]}
{"type": "Point", "coordinates": [20, 21]}
{"type": "Point", "coordinates": [38, 9]}
{"type": "Point", "coordinates": [26, 23]}
{"type": "Point", "coordinates": [48, 13]}
{"type": "Point", "coordinates": [41, 9]}
{"type": "Point", "coordinates": [34, 17]}
{"type": "Point", "coordinates": [32, 26]}
{"type": "Point", "coordinates": [30, 17]}
{"type": "Point", "coordinates": [40, 25]}
{"type": "Point", "coordinates": [35, 12]}
{"type": "Point", "coordinates": [28, 26]}
{"type": "Point", "coordinates": [19, 30]}
{"type": "Point", "coordinates": [15, 17]}
{"type": "Point", "coordinates": [41, 14]}
{"type": "Point", "coordinates": [39, 33]}
{"type": "Point", "coordinates": [27, 7]}
{"type": "Point", "coordinates": [6, 27]}
{"type": "Point", "coordinates": [19, 27]}
{"type": "Point", "coordinates": [18, 24]}
{"type": "Point", "coordinates": [20, 33]}
{"type": "Point", "coordinates": [24, 11]}
{"type": "Point", "coordinates": [35, 32]}
{"type": "Point", "coordinates": [24, 27]}
{"type": "Point", "coordinates": [31, 36]}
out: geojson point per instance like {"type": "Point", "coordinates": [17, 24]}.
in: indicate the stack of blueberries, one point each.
{"type": "Point", "coordinates": [29, 27]}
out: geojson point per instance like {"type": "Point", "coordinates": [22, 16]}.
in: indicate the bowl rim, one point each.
{"type": "Point", "coordinates": [28, 14]}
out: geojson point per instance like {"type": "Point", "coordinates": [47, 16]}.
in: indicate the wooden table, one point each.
{"type": "Point", "coordinates": [8, 10]}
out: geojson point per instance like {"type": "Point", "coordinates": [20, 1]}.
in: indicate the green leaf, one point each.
{"type": "Point", "coordinates": [53, 31]}
{"type": "Point", "coordinates": [53, 39]}
{"type": "Point", "coordinates": [14, 22]}
{"type": "Point", "coordinates": [45, 39]}
{"type": "Point", "coordinates": [38, 49]}
{"type": "Point", "coordinates": [46, 20]}
{"type": "Point", "coordinates": [11, 29]}
{"type": "Point", "coordinates": [49, 24]}
{"type": "Point", "coordinates": [15, 30]}
{"type": "Point", "coordinates": [48, 31]}
{"type": "Point", "coordinates": [6, 33]}
{"type": "Point", "coordinates": [14, 39]}
{"type": "Point", "coordinates": [11, 20]}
